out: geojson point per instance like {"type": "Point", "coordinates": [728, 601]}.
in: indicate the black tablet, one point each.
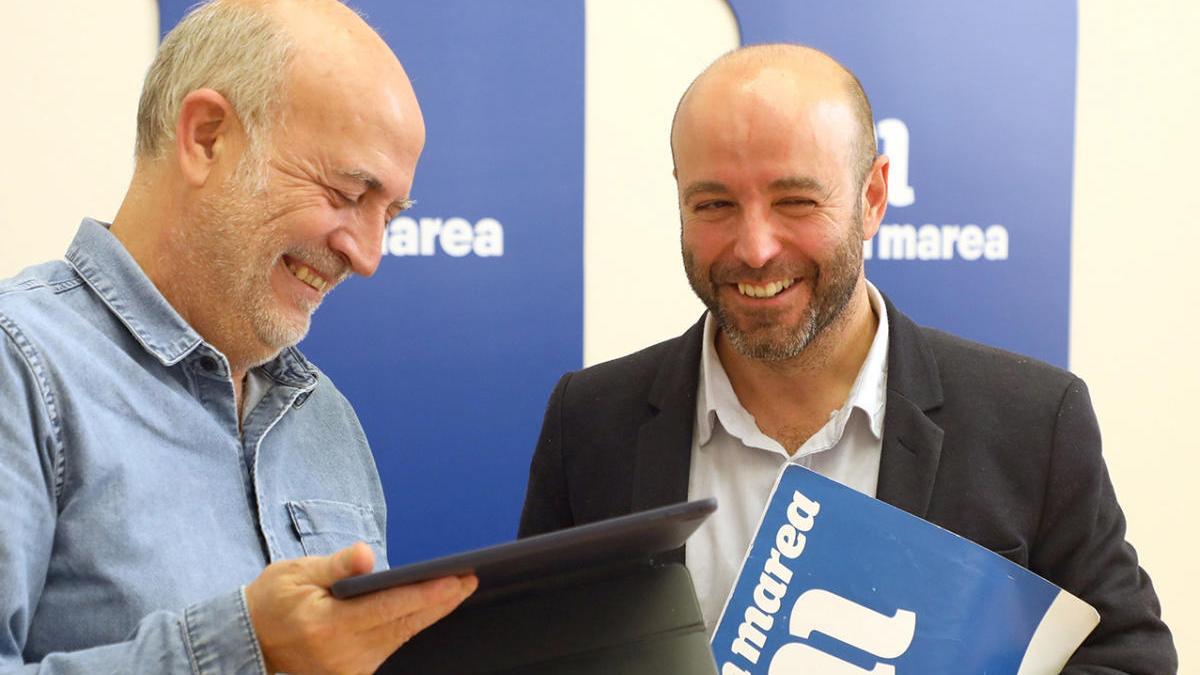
{"type": "Point", "coordinates": [632, 537]}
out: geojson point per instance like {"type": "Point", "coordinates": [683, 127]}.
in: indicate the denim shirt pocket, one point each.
{"type": "Point", "coordinates": [326, 526]}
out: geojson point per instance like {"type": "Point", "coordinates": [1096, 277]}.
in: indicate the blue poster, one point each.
{"type": "Point", "coordinates": [975, 105]}
{"type": "Point", "coordinates": [448, 352]}
{"type": "Point", "coordinates": [836, 582]}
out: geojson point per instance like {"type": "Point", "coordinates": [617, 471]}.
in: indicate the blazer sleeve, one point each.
{"type": "Point", "coordinates": [547, 507]}
{"type": "Point", "coordinates": [1081, 546]}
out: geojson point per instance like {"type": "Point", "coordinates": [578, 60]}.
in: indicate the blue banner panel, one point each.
{"type": "Point", "coordinates": [448, 352]}
{"type": "Point", "coordinates": [975, 104]}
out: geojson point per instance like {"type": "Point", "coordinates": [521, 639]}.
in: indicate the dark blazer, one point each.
{"type": "Point", "coordinates": [997, 447]}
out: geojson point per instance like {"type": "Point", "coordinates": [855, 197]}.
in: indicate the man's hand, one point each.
{"type": "Point", "coordinates": [302, 628]}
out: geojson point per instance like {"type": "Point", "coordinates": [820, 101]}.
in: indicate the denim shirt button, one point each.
{"type": "Point", "coordinates": [301, 399]}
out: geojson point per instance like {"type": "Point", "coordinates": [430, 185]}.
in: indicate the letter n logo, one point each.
{"type": "Point", "coordinates": [816, 610]}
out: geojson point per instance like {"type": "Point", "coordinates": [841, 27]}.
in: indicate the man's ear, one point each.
{"type": "Point", "coordinates": [203, 134]}
{"type": "Point", "coordinates": [875, 193]}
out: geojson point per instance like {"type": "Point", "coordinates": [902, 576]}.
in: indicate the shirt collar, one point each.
{"type": "Point", "coordinates": [117, 279]}
{"type": "Point", "coordinates": [869, 393]}
{"type": "Point", "coordinates": [716, 399]}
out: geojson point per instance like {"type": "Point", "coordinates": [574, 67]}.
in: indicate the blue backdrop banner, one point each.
{"type": "Point", "coordinates": [975, 105]}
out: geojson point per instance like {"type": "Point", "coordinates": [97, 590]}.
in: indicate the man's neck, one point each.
{"type": "Point", "coordinates": [141, 225]}
{"type": "Point", "coordinates": [239, 388]}
{"type": "Point", "coordinates": [791, 400]}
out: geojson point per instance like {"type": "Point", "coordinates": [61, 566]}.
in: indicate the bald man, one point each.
{"type": "Point", "coordinates": [801, 360]}
{"type": "Point", "coordinates": [181, 486]}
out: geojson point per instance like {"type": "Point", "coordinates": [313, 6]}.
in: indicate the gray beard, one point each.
{"type": "Point", "coordinates": [226, 242]}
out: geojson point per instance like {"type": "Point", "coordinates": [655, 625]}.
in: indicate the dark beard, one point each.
{"type": "Point", "coordinates": [832, 287]}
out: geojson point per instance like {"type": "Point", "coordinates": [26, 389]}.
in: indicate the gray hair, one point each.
{"type": "Point", "coordinates": [230, 47]}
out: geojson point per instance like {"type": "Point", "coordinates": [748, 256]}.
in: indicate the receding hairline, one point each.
{"type": "Point", "coordinates": [313, 24]}
{"type": "Point", "coordinates": [234, 47]}
{"type": "Point", "coordinates": [328, 32]}
{"type": "Point", "coordinates": [756, 58]}
{"type": "Point", "coordinates": [256, 54]}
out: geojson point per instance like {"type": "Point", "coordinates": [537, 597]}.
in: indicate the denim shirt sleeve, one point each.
{"type": "Point", "coordinates": [209, 638]}
{"type": "Point", "coordinates": [214, 636]}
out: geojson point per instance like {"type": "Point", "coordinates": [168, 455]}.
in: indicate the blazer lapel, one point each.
{"type": "Point", "coordinates": [664, 446]}
{"type": "Point", "coordinates": [912, 442]}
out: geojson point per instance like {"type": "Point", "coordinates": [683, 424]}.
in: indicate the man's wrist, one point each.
{"type": "Point", "coordinates": [220, 637]}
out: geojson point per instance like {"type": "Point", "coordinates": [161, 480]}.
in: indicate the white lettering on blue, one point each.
{"type": "Point", "coordinates": [455, 237]}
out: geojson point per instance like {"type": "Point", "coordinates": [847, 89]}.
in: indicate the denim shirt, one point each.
{"type": "Point", "coordinates": [132, 510]}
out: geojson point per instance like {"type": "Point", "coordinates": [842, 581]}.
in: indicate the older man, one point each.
{"type": "Point", "coordinates": [801, 360]}
{"type": "Point", "coordinates": [162, 441]}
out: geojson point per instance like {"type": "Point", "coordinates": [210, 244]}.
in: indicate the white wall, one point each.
{"type": "Point", "coordinates": [1134, 282]}
{"type": "Point", "coordinates": [72, 70]}
{"type": "Point", "coordinates": [639, 61]}
{"type": "Point", "coordinates": [71, 73]}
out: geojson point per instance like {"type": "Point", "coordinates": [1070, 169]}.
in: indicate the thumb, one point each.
{"type": "Point", "coordinates": [351, 561]}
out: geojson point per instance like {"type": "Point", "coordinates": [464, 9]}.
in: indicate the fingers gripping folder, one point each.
{"type": "Point", "coordinates": [583, 601]}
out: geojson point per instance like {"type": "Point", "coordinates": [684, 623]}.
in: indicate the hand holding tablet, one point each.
{"type": "Point", "coordinates": [589, 600]}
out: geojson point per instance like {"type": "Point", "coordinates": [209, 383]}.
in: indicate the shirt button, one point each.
{"type": "Point", "coordinates": [301, 399]}
{"type": "Point", "coordinates": [208, 363]}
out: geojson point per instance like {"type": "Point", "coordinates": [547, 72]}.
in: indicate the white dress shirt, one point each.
{"type": "Point", "coordinates": [734, 461]}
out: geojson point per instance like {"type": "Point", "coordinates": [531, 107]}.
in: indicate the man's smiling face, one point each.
{"type": "Point", "coordinates": [268, 274]}
{"type": "Point", "coordinates": [274, 235]}
{"type": "Point", "coordinates": [771, 210]}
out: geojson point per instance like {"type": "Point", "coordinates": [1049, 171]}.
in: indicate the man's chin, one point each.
{"type": "Point", "coordinates": [765, 341]}
{"type": "Point", "coordinates": [763, 325]}
{"type": "Point", "coordinates": [277, 334]}
{"type": "Point", "coordinates": [763, 348]}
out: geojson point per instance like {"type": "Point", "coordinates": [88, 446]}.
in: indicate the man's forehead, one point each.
{"type": "Point", "coordinates": [351, 140]}
{"type": "Point", "coordinates": [347, 100]}
{"type": "Point", "coordinates": [769, 90]}
{"type": "Point", "coordinates": [778, 81]}
{"type": "Point", "coordinates": [335, 51]}
{"type": "Point", "coordinates": [767, 120]}
{"type": "Point", "coordinates": [785, 183]}
{"type": "Point", "coordinates": [764, 131]}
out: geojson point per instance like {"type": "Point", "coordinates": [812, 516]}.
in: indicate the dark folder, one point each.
{"type": "Point", "coordinates": [642, 620]}
{"type": "Point", "coordinates": [582, 601]}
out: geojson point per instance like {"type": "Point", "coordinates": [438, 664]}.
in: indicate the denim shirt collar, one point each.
{"type": "Point", "coordinates": [117, 279]}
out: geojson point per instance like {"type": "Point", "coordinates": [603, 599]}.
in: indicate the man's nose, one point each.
{"type": "Point", "coordinates": [757, 240]}
{"type": "Point", "coordinates": [361, 246]}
